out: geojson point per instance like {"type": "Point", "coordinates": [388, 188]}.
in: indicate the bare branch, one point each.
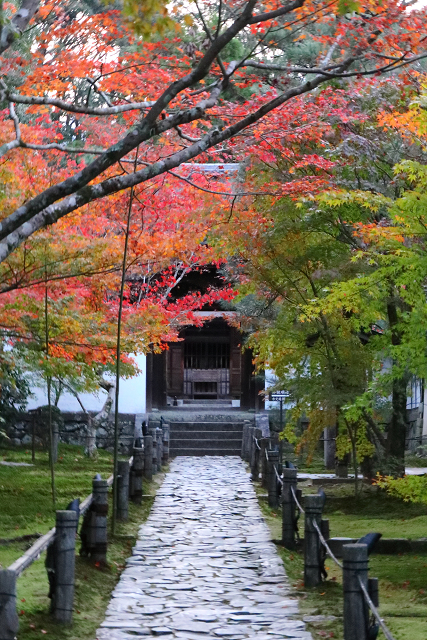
{"type": "Point", "coordinates": [75, 108]}
{"type": "Point", "coordinates": [184, 136]}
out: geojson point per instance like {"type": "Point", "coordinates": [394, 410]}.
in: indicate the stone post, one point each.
{"type": "Point", "coordinates": [312, 552]}
{"type": "Point", "coordinates": [97, 529]}
{"type": "Point", "coordinates": [329, 448]}
{"type": "Point", "coordinates": [136, 472]}
{"type": "Point", "coordinates": [153, 433]}
{"type": "Point", "coordinates": [263, 461]}
{"type": "Point", "coordinates": [288, 508]}
{"type": "Point", "coordinates": [248, 426]}
{"type": "Point", "coordinates": [255, 455]}
{"type": "Point", "coordinates": [123, 490]}
{"type": "Point", "coordinates": [159, 438]}
{"type": "Point", "coordinates": [251, 443]}
{"type": "Point", "coordinates": [55, 441]}
{"type": "Point", "coordinates": [356, 612]}
{"type": "Point", "coordinates": [9, 621]}
{"type": "Point", "coordinates": [166, 432]}
{"type": "Point", "coordinates": [245, 439]}
{"type": "Point", "coordinates": [64, 561]}
{"type": "Point", "coordinates": [148, 457]}
{"type": "Point", "coordinates": [273, 496]}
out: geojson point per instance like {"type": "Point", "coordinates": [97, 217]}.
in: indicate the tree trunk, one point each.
{"type": "Point", "coordinates": [93, 424]}
{"type": "Point", "coordinates": [396, 434]}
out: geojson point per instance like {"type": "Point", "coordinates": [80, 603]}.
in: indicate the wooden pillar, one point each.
{"type": "Point", "coordinates": [273, 461]}
{"type": "Point", "coordinates": [148, 457]}
{"type": "Point", "coordinates": [123, 490]}
{"type": "Point", "coordinates": [356, 613]}
{"type": "Point", "coordinates": [246, 401]}
{"type": "Point", "coordinates": [64, 561]}
{"type": "Point", "coordinates": [312, 552]}
{"type": "Point", "coordinates": [135, 480]}
{"type": "Point", "coordinates": [288, 508]}
{"type": "Point", "coordinates": [158, 380]}
{"type": "Point", "coordinates": [149, 382]}
{"type": "Point", "coordinates": [9, 621]}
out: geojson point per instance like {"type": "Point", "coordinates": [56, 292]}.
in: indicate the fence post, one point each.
{"type": "Point", "coordinates": [255, 455]}
{"type": "Point", "coordinates": [264, 473]}
{"type": "Point", "coordinates": [288, 508]}
{"type": "Point", "coordinates": [251, 443]}
{"type": "Point", "coordinates": [135, 480]}
{"type": "Point", "coordinates": [153, 433]}
{"type": "Point", "coordinates": [148, 457]}
{"type": "Point", "coordinates": [312, 550]}
{"type": "Point", "coordinates": [123, 490]}
{"type": "Point", "coordinates": [64, 551]}
{"type": "Point", "coordinates": [165, 430]}
{"type": "Point", "coordinates": [159, 438]}
{"type": "Point", "coordinates": [244, 453]}
{"type": "Point", "coordinates": [9, 621]}
{"type": "Point", "coordinates": [273, 461]}
{"type": "Point", "coordinates": [356, 613]}
{"type": "Point", "coordinates": [94, 530]}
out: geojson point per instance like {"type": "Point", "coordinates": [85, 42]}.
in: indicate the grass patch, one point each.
{"type": "Point", "coordinates": [26, 491]}
{"type": "Point", "coordinates": [371, 510]}
{"type": "Point", "coordinates": [402, 578]}
{"type": "Point", "coordinates": [33, 512]}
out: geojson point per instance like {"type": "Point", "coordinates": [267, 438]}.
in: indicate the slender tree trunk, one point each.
{"type": "Point", "coordinates": [396, 434]}
{"type": "Point", "coordinates": [118, 355]}
{"type": "Point", "coordinates": [52, 454]}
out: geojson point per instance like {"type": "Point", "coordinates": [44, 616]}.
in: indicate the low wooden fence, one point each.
{"type": "Point", "coordinates": [362, 620]}
{"type": "Point", "coordinates": [60, 541]}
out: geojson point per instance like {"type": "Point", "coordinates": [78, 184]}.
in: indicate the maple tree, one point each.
{"type": "Point", "coordinates": [89, 86]}
{"type": "Point", "coordinates": [312, 288]}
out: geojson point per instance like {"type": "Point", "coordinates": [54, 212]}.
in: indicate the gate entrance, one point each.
{"type": "Point", "coordinates": [207, 369]}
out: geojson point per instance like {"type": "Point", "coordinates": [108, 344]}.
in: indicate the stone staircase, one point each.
{"type": "Point", "coordinates": [210, 433]}
{"type": "Point", "coordinates": [205, 438]}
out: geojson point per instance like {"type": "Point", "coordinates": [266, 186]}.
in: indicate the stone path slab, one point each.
{"type": "Point", "coordinates": [204, 567]}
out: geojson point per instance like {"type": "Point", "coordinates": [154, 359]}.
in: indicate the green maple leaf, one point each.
{"type": "Point", "coordinates": [347, 6]}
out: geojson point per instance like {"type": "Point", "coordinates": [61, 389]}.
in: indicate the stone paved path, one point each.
{"type": "Point", "coordinates": [204, 567]}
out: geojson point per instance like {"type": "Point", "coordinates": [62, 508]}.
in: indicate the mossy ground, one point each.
{"type": "Point", "coordinates": [402, 578]}
{"type": "Point", "coordinates": [27, 508]}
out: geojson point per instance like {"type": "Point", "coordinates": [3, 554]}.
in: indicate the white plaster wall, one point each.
{"type": "Point", "coordinates": [132, 394]}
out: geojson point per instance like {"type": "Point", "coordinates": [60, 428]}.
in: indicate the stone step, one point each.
{"type": "Point", "coordinates": [205, 435]}
{"type": "Point", "coordinates": [182, 427]}
{"type": "Point", "coordinates": [207, 403]}
{"type": "Point", "coordinates": [226, 442]}
{"type": "Point", "coordinates": [188, 414]}
{"type": "Point", "coordinates": [187, 451]}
